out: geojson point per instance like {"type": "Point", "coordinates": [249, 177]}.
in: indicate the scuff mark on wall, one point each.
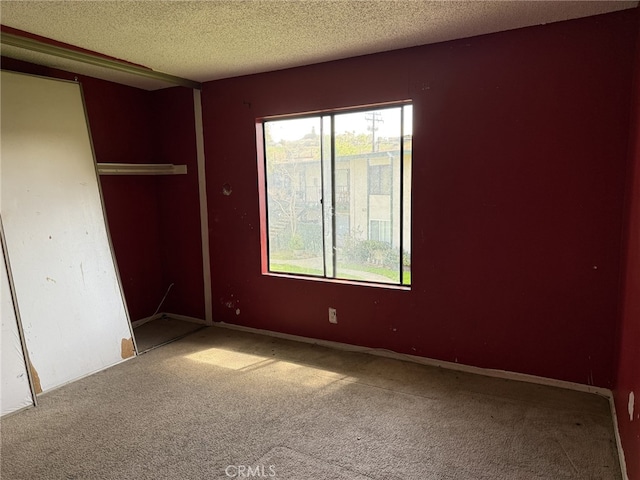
{"type": "Point", "coordinates": [49, 279]}
{"type": "Point", "coordinates": [126, 348]}
{"type": "Point", "coordinates": [632, 402]}
{"type": "Point", "coordinates": [37, 386]}
{"type": "Point", "coordinates": [231, 303]}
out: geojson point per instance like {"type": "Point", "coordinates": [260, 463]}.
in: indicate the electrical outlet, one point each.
{"type": "Point", "coordinates": [333, 315]}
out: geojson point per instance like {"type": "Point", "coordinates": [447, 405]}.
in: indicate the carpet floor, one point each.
{"type": "Point", "coordinates": [222, 404]}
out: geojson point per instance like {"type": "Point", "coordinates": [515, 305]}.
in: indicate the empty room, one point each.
{"type": "Point", "coordinates": [320, 239]}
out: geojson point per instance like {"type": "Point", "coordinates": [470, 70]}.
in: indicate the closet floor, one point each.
{"type": "Point", "coordinates": [163, 330]}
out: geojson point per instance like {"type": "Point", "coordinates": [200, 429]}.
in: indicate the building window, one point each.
{"type": "Point", "coordinates": [380, 179]}
{"type": "Point", "coordinates": [337, 194]}
{"type": "Point", "coordinates": [380, 231]}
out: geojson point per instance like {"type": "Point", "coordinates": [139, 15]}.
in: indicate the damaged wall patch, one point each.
{"type": "Point", "coordinates": [37, 386]}
{"type": "Point", "coordinates": [126, 348]}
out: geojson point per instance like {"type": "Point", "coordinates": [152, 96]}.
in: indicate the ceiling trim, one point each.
{"type": "Point", "coordinates": [88, 58]}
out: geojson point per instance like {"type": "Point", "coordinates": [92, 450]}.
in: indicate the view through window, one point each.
{"type": "Point", "coordinates": [338, 194]}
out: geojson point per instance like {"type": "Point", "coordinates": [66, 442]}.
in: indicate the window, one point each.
{"type": "Point", "coordinates": [380, 231]}
{"type": "Point", "coordinates": [337, 190]}
{"type": "Point", "coordinates": [380, 179]}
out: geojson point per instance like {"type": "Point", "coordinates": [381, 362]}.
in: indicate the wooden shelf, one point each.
{"type": "Point", "coordinates": [141, 169]}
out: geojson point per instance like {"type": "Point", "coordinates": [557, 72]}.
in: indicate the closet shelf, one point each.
{"type": "Point", "coordinates": [141, 169]}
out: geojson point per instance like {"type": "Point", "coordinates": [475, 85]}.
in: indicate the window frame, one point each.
{"type": "Point", "coordinates": [261, 149]}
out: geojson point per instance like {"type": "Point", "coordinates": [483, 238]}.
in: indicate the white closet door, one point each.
{"type": "Point", "coordinates": [68, 292]}
{"type": "Point", "coordinates": [15, 392]}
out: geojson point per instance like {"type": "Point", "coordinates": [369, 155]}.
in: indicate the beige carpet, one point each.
{"type": "Point", "coordinates": [220, 402]}
{"type": "Point", "coordinates": [283, 462]}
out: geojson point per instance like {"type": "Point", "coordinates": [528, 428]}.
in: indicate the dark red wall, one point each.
{"type": "Point", "coordinates": [628, 373]}
{"type": "Point", "coordinates": [133, 217]}
{"type": "Point", "coordinates": [518, 182]}
{"type": "Point", "coordinates": [178, 202]}
{"type": "Point", "coordinates": [154, 221]}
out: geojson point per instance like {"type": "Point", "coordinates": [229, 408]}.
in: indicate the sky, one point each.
{"type": "Point", "coordinates": [295, 129]}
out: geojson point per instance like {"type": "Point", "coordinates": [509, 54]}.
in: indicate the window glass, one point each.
{"type": "Point", "coordinates": [338, 190]}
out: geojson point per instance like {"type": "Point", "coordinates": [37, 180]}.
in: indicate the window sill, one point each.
{"type": "Point", "coordinates": [358, 283]}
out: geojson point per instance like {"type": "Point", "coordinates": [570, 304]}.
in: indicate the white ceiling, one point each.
{"type": "Point", "coordinates": [208, 40]}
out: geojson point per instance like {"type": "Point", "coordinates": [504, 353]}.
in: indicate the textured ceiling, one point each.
{"type": "Point", "coordinates": [207, 40]}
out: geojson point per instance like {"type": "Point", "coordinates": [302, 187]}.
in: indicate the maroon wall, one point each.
{"type": "Point", "coordinates": [154, 221]}
{"type": "Point", "coordinates": [518, 181]}
{"type": "Point", "coordinates": [628, 373]}
{"type": "Point", "coordinates": [178, 202]}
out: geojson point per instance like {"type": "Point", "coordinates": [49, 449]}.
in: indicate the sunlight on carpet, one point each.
{"type": "Point", "coordinates": [300, 374]}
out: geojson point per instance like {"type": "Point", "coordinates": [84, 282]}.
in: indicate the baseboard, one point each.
{"type": "Point", "coordinates": [488, 372]}
{"type": "Point", "coordinates": [185, 318]}
{"type": "Point", "coordinates": [175, 316]}
{"type": "Point", "coordinates": [142, 321]}
{"type": "Point", "coordinates": [621, 457]}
